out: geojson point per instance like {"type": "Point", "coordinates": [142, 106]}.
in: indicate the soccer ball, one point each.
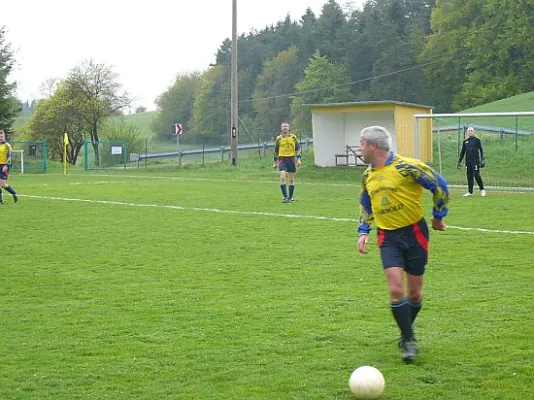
{"type": "Point", "coordinates": [367, 383]}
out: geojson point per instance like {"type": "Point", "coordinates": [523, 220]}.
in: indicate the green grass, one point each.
{"type": "Point", "coordinates": [521, 102]}
{"type": "Point", "coordinates": [124, 301]}
{"type": "Point", "coordinates": [21, 121]}
{"type": "Point", "coordinates": [506, 165]}
{"type": "Point", "coordinates": [142, 121]}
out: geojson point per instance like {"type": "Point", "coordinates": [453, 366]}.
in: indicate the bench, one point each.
{"type": "Point", "coordinates": [352, 156]}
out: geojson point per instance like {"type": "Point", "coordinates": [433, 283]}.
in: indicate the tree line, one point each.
{"type": "Point", "coordinates": [450, 54]}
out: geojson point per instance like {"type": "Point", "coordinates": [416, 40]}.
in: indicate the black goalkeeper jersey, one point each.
{"type": "Point", "coordinates": [472, 150]}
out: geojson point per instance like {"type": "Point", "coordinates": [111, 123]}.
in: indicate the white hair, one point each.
{"type": "Point", "coordinates": [470, 129]}
{"type": "Point", "coordinates": [377, 135]}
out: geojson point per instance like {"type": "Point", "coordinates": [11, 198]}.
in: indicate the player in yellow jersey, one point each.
{"type": "Point", "coordinates": [5, 164]}
{"type": "Point", "coordinates": [391, 198]}
{"type": "Point", "coordinates": [286, 149]}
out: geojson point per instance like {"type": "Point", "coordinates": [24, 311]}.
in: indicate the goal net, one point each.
{"type": "Point", "coordinates": [507, 140]}
{"type": "Point", "coordinates": [28, 156]}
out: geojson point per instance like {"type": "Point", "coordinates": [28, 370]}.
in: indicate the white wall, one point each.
{"type": "Point", "coordinates": [332, 131]}
{"type": "Point", "coordinates": [355, 122]}
{"type": "Point", "coordinates": [328, 138]}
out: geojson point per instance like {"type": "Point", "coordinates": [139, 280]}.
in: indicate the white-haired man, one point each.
{"type": "Point", "coordinates": [474, 160]}
{"type": "Point", "coordinates": [391, 198]}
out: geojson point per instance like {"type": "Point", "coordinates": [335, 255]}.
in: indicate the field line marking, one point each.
{"type": "Point", "coordinates": [357, 185]}
{"type": "Point", "coordinates": [258, 213]}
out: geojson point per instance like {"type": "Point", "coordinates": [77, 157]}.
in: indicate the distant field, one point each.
{"type": "Point", "coordinates": [21, 121]}
{"type": "Point", "coordinates": [521, 102]}
{"type": "Point", "coordinates": [142, 121]}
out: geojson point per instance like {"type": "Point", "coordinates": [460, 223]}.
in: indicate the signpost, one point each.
{"type": "Point", "coordinates": [178, 131]}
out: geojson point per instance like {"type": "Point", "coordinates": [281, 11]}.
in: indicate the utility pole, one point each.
{"type": "Point", "coordinates": [234, 125]}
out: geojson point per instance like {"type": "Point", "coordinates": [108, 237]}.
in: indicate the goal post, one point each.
{"type": "Point", "coordinates": [17, 160]}
{"type": "Point", "coordinates": [29, 156]}
{"type": "Point", "coordinates": [507, 140]}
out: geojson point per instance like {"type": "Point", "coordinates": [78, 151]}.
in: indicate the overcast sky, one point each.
{"type": "Point", "coordinates": [147, 42]}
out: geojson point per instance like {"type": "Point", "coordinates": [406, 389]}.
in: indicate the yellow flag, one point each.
{"type": "Point", "coordinates": [65, 143]}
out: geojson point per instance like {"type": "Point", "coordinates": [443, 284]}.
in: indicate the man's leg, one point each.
{"type": "Point", "coordinates": [399, 304]}
{"type": "Point", "coordinates": [415, 294]}
{"type": "Point", "coordinates": [4, 185]}
{"type": "Point", "coordinates": [12, 191]}
{"type": "Point", "coordinates": [478, 178]}
{"type": "Point", "coordinates": [291, 185]}
{"type": "Point", "coordinates": [470, 180]}
{"type": "Point", "coordinates": [283, 186]}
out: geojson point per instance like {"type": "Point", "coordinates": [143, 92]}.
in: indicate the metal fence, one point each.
{"type": "Point", "coordinates": [175, 153]}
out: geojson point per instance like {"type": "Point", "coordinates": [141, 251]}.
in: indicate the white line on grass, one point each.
{"type": "Point", "coordinates": [356, 185]}
{"type": "Point", "coordinates": [259, 213]}
{"type": "Point", "coordinates": [274, 182]}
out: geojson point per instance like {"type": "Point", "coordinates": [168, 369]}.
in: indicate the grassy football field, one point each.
{"type": "Point", "coordinates": [200, 284]}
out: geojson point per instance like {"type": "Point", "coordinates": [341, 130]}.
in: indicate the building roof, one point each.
{"type": "Point", "coordinates": [368, 103]}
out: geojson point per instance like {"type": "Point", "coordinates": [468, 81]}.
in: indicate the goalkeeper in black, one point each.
{"type": "Point", "coordinates": [474, 160]}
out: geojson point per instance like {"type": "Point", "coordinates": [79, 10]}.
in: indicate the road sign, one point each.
{"type": "Point", "coordinates": [179, 129]}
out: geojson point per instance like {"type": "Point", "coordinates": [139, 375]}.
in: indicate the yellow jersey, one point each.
{"type": "Point", "coordinates": [286, 146]}
{"type": "Point", "coordinates": [392, 195]}
{"type": "Point", "coordinates": [5, 153]}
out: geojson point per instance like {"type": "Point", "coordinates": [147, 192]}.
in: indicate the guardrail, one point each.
{"type": "Point", "coordinates": [223, 150]}
{"type": "Point", "coordinates": [484, 128]}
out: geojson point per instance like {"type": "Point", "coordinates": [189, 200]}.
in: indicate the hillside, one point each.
{"type": "Point", "coordinates": [521, 102]}
{"type": "Point", "coordinates": [142, 121]}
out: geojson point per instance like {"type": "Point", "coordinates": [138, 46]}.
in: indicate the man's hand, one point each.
{"type": "Point", "coordinates": [459, 166]}
{"type": "Point", "coordinates": [362, 242]}
{"type": "Point", "coordinates": [438, 225]}
{"type": "Point", "coordinates": [275, 165]}
{"type": "Point", "coordinates": [299, 163]}
{"type": "Point", "coordinates": [482, 163]}
{"type": "Point", "coordinates": [5, 169]}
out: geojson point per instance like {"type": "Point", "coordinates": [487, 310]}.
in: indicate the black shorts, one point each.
{"type": "Point", "coordinates": [287, 164]}
{"type": "Point", "coordinates": [3, 175]}
{"type": "Point", "coordinates": [405, 247]}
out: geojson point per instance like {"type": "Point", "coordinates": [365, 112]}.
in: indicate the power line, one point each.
{"type": "Point", "coordinates": [341, 85]}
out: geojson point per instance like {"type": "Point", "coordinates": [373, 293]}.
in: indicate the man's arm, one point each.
{"type": "Point", "coordinates": [8, 162]}
{"type": "Point", "coordinates": [481, 151]}
{"type": "Point", "coordinates": [462, 154]}
{"type": "Point", "coordinates": [366, 211]}
{"type": "Point", "coordinates": [8, 156]}
{"type": "Point", "coordinates": [298, 150]}
{"type": "Point", "coordinates": [431, 180]}
{"type": "Point", "coordinates": [276, 151]}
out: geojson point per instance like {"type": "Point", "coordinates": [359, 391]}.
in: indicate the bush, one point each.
{"type": "Point", "coordinates": [120, 131]}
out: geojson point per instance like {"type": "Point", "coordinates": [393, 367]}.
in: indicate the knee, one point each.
{"type": "Point", "coordinates": [396, 292]}
{"type": "Point", "coordinates": [415, 295]}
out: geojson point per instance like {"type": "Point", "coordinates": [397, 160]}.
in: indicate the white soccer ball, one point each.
{"type": "Point", "coordinates": [367, 383]}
